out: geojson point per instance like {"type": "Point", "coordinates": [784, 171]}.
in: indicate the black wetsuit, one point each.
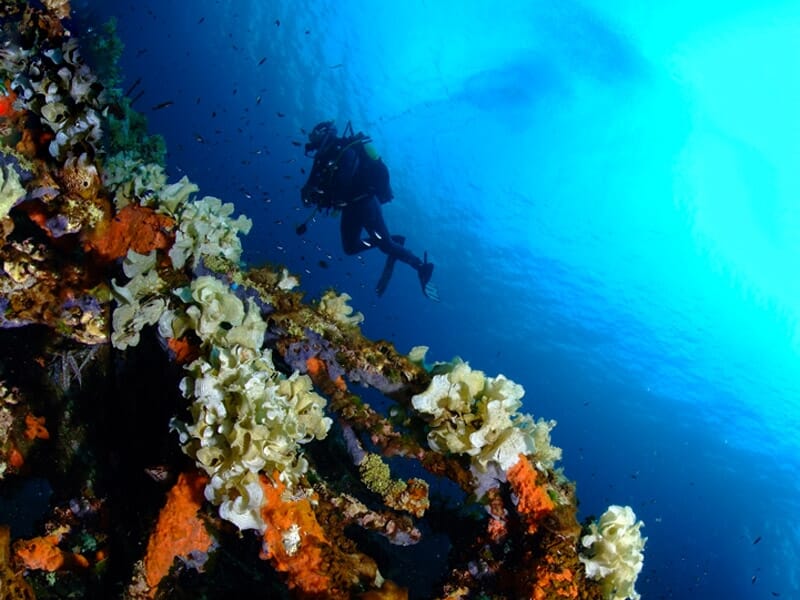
{"type": "Point", "coordinates": [346, 177]}
{"type": "Point", "coordinates": [359, 187]}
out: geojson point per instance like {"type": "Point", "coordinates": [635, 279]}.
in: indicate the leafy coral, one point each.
{"type": "Point", "coordinates": [477, 415]}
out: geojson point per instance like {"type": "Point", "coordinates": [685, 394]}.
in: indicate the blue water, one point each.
{"type": "Point", "coordinates": [609, 191]}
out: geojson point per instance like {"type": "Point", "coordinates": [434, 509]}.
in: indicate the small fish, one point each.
{"type": "Point", "coordinates": [280, 114]}
{"type": "Point", "coordinates": [262, 61]}
{"type": "Point", "coordinates": [161, 105]}
{"type": "Point", "coordinates": [755, 541]}
{"type": "Point", "coordinates": [213, 114]}
{"type": "Point", "coordinates": [234, 91]}
{"type": "Point", "coordinates": [277, 22]}
{"type": "Point", "coordinates": [323, 264]}
{"type": "Point", "coordinates": [258, 99]}
{"type": "Point", "coordinates": [753, 579]}
{"type": "Point", "coordinates": [308, 31]}
{"type": "Point", "coordinates": [140, 52]}
{"type": "Point", "coordinates": [201, 20]}
{"type": "Point", "coordinates": [296, 143]}
{"type": "Point", "coordinates": [133, 87]}
{"type": "Point", "coordinates": [137, 96]}
{"type": "Point", "coordinates": [336, 66]}
{"type": "Point", "coordinates": [199, 138]}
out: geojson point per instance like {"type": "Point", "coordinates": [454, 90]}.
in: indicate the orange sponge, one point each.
{"type": "Point", "coordinates": [179, 530]}
{"type": "Point", "coordinates": [136, 228]}
{"type": "Point", "coordinates": [294, 539]}
{"type": "Point", "coordinates": [533, 501]}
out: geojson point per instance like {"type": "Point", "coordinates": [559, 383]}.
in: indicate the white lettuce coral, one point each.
{"type": "Point", "coordinates": [287, 281]}
{"type": "Point", "coordinates": [615, 552]}
{"type": "Point", "coordinates": [217, 315]}
{"type": "Point", "coordinates": [214, 307]}
{"type": "Point", "coordinates": [173, 197]}
{"type": "Point", "coordinates": [83, 128]}
{"type": "Point", "coordinates": [478, 415]}
{"type": "Point", "coordinates": [335, 306]}
{"type": "Point", "coordinates": [131, 180]}
{"type": "Point", "coordinates": [248, 418]}
{"type": "Point", "coordinates": [205, 229]}
{"type": "Point", "coordinates": [140, 302]}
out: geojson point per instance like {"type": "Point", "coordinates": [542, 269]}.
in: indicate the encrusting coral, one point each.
{"type": "Point", "coordinates": [277, 447]}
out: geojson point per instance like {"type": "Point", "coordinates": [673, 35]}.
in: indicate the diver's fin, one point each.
{"type": "Point", "coordinates": [425, 273]}
{"type": "Point", "coordinates": [386, 276]}
{"type": "Point", "coordinates": [388, 268]}
{"type": "Point", "coordinates": [431, 292]}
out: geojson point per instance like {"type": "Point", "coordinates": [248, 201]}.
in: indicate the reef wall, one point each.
{"type": "Point", "coordinates": [198, 429]}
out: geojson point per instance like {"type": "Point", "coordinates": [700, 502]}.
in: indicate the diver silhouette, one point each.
{"type": "Point", "coordinates": [348, 176]}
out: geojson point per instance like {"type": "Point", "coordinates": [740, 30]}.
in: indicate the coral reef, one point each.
{"type": "Point", "coordinates": [228, 394]}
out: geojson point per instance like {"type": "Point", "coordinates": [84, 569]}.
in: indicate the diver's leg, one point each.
{"type": "Point", "coordinates": [379, 235]}
{"type": "Point", "coordinates": [350, 226]}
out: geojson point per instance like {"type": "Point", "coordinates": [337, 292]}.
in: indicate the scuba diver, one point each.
{"type": "Point", "coordinates": [349, 176]}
